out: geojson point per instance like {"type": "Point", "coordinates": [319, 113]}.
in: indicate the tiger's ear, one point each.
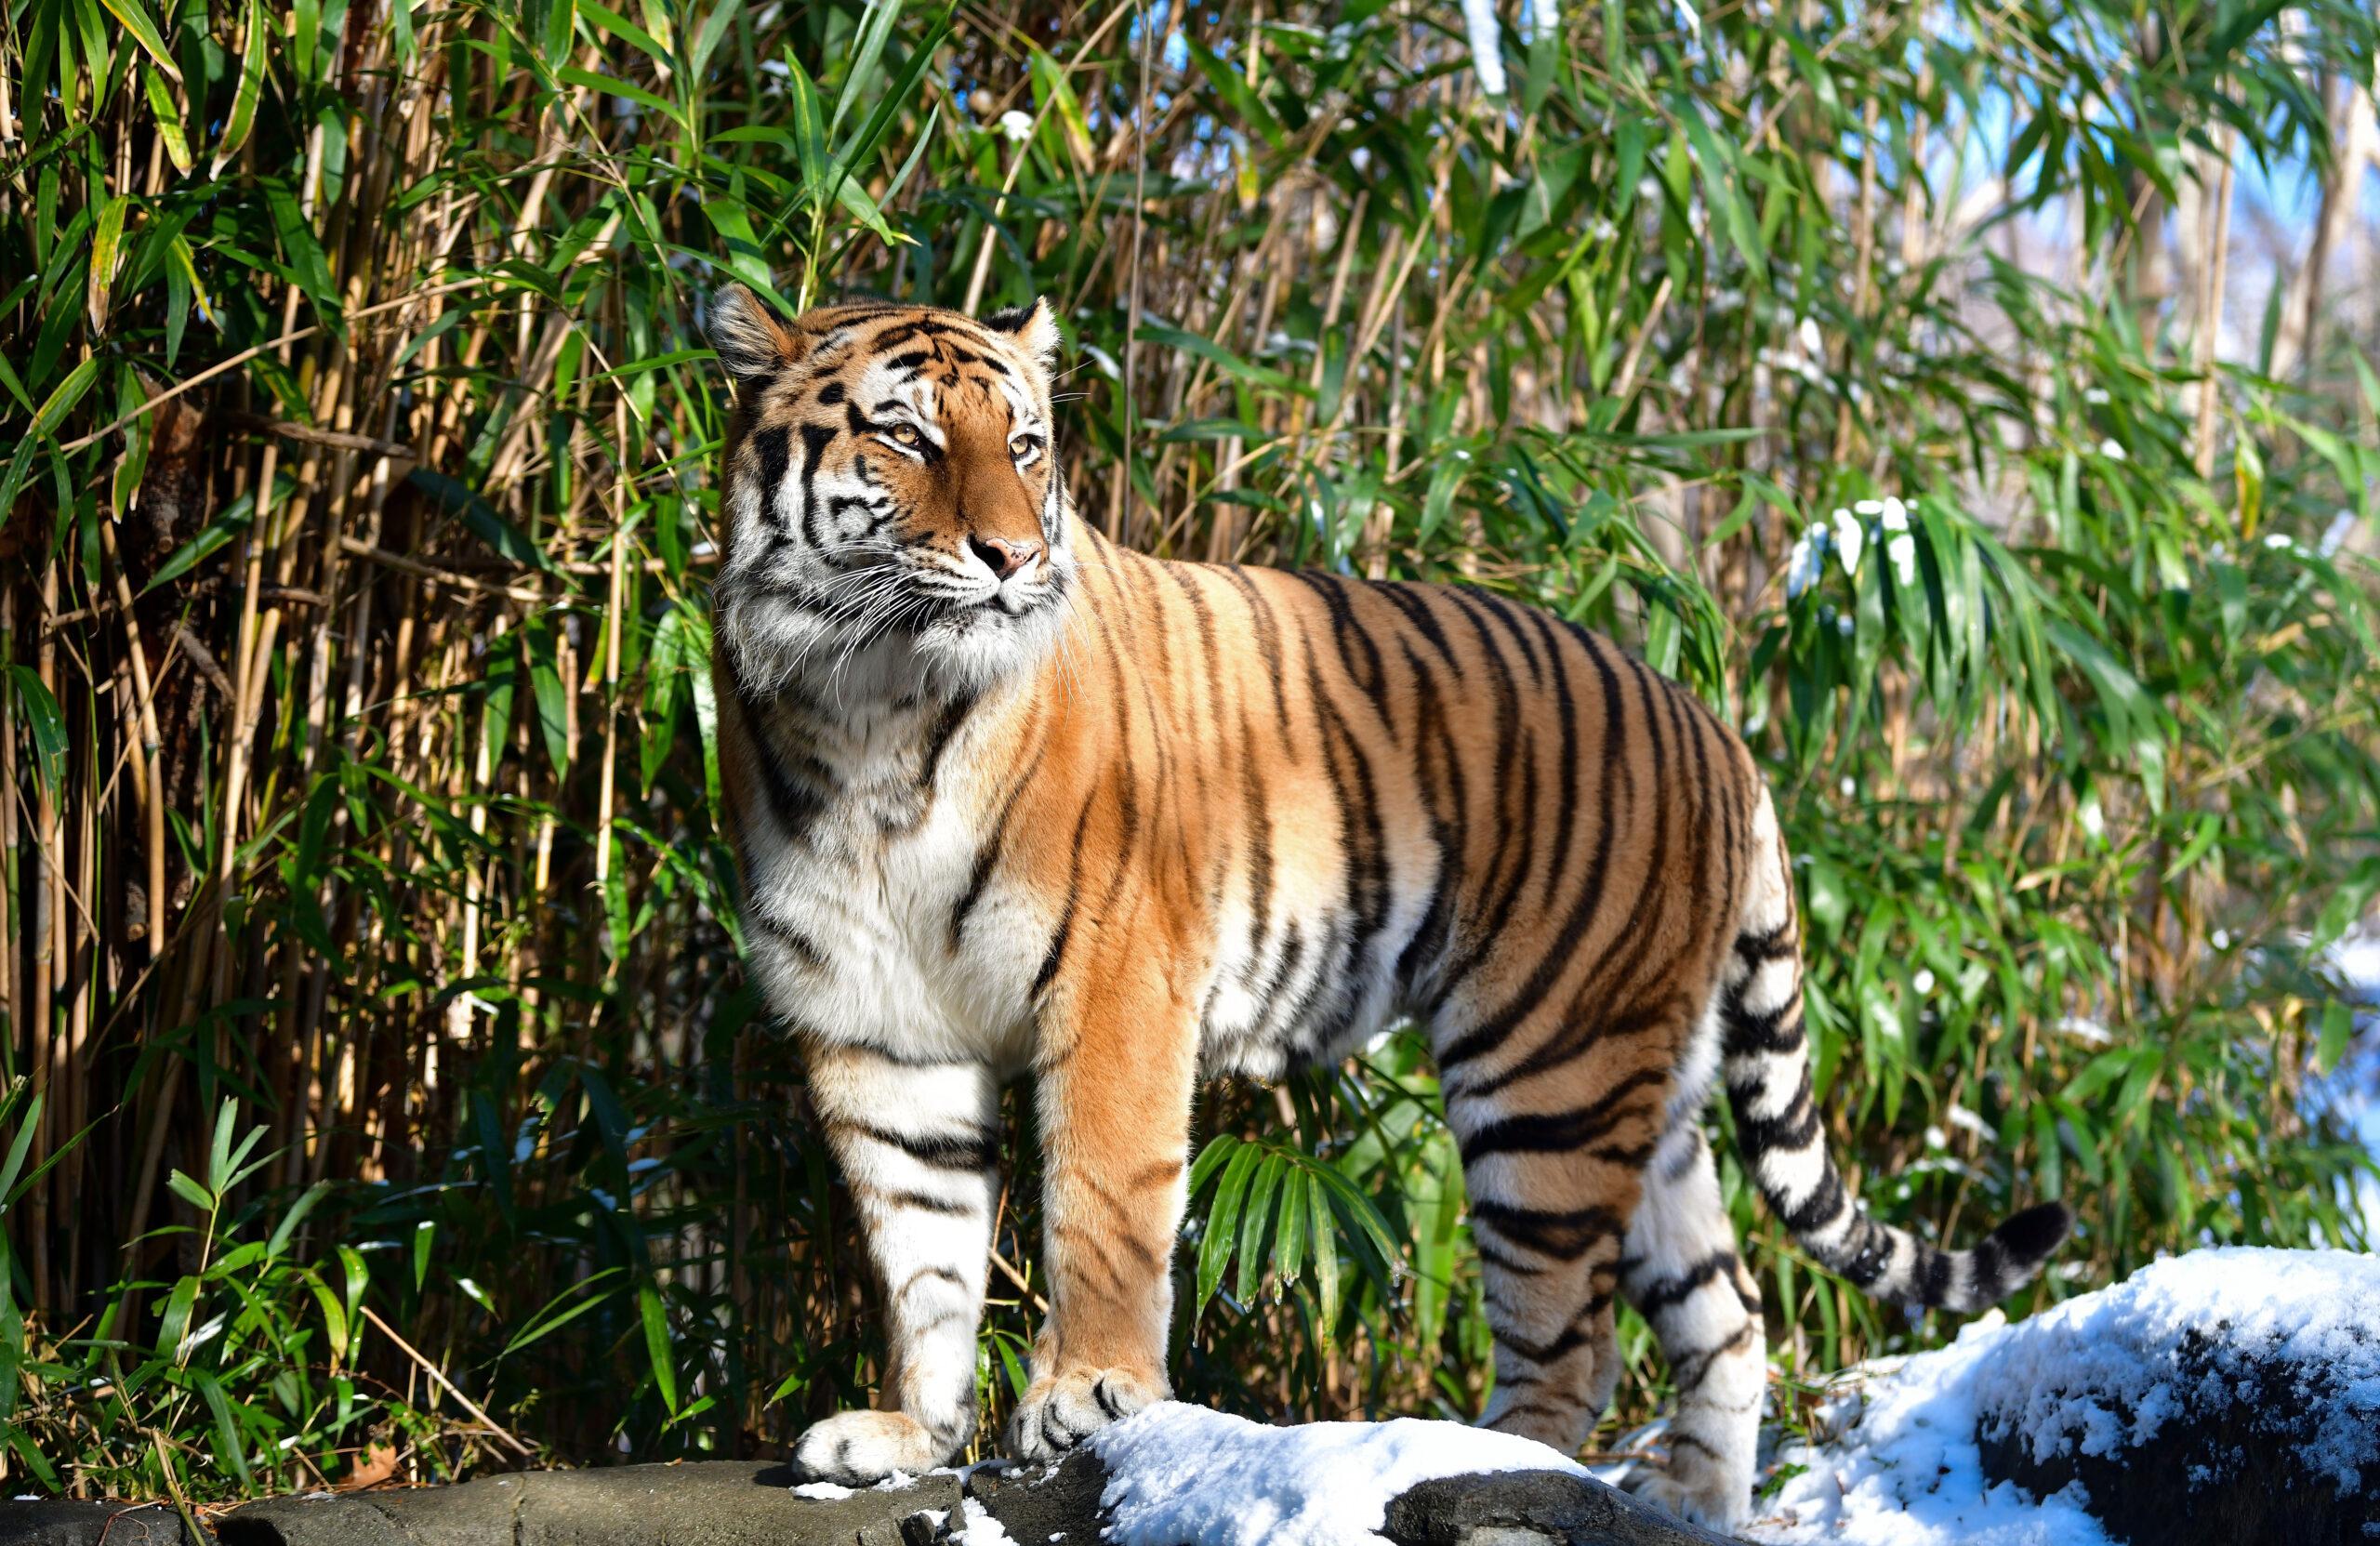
{"type": "Point", "coordinates": [1035, 325]}
{"type": "Point", "coordinates": [753, 344]}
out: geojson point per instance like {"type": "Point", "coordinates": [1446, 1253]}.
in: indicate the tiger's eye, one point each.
{"type": "Point", "coordinates": [906, 435]}
{"type": "Point", "coordinates": [1020, 445]}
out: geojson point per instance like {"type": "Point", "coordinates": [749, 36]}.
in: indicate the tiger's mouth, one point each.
{"type": "Point", "coordinates": [993, 608]}
{"type": "Point", "coordinates": [941, 597]}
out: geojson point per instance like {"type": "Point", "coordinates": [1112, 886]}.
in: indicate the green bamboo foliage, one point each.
{"type": "Point", "coordinates": [372, 971]}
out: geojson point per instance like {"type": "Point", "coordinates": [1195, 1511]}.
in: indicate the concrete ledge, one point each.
{"type": "Point", "coordinates": [751, 1503]}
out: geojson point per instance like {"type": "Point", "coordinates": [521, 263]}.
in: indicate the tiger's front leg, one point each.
{"type": "Point", "coordinates": [1115, 1109]}
{"type": "Point", "coordinates": [919, 1145]}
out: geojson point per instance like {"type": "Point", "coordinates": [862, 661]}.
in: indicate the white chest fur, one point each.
{"type": "Point", "coordinates": [871, 922]}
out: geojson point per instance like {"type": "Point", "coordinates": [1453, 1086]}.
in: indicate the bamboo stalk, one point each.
{"type": "Point", "coordinates": [437, 1377]}
{"type": "Point", "coordinates": [622, 487]}
{"type": "Point", "coordinates": [152, 785]}
{"type": "Point", "coordinates": [2210, 316]}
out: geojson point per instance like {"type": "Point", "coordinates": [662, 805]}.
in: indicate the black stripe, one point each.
{"type": "Point", "coordinates": [815, 438]}
{"type": "Point", "coordinates": [1780, 1030]}
{"type": "Point", "coordinates": [1581, 1330]}
{"type": "Point", "coordinates": [1348, 632]}
{"type": "Point", "coordinates": [926, 1203]}
{"type": "Point", "coordinates": [1050, 958]}
{"type": "Point", "coordinates": [1416, 607]}
{"type": "Point", "coordinates": [1510, 616]}
{"type": "Point", "coordinates": [1488, 1253]}
{"type": "Point", "coordinates": [796, 794]}
{"type": "Point", "coordinates": [1489, 921]}
{"type": "Point", "coordinates": [973, 1152]}
{"type": "Point", "coordinates": [1664, 1293]}
{"type": "Point", "coordinates": [945, 725]}
{"type": "Point", "coordinates": [988, 855]}
{"type": "Point", "coordinates": [1795, 1128]}
{"type": "Point", "coordinates": [1268, 644]}
{"type": "Point", "coordinates": [1438, 771]}
{"type": "Point", "coordinates": [1491, 1033]}
{"type": "Point", "coordinates": [772, 445]}
{"type": "Point", "coordinates": [1563, 1235]}
{"type": "Point", "coordinates": [1253, 786]}
{"type": "Point", "coordinates": [1561, 1132]}
{"type": "Point", "coordinates": [786, 934]}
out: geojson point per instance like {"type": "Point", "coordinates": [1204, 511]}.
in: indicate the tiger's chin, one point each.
{"type": "Point", "coordinates": [975, 648]}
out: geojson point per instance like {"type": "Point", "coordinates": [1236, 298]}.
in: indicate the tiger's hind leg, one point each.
{"type": "Point", "coordinates": [1551, 1161]}
{"type": "Point", "coordinates": [1684, 1275]}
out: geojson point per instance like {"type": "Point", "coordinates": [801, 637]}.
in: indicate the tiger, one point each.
{"type": "Point", "coordinates": [1010, 798]}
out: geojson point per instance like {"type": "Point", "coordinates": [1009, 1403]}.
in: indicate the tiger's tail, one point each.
{"type": "Point", "coordinates": [1766, 1063]}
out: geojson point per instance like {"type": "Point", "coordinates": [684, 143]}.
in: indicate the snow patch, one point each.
{"type": "Point", "coordinates": [1898, 1464]}
{"type": "Point", "coordinates": [1897, 1461]}
{"type": "Point", "coordinates": [826, 1492]}
{"type": "Point", "coordinates": [981, 1528]}
{"type": "Point", "coordinates": [1181, 1476]}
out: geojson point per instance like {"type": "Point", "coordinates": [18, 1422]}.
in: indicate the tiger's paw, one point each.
{"type": "Point", "coordinates": [1717, 1508]}
{"type": "Point", "coordinates": [859, 1448]}
{"type": "Point", "coordinates": [1059, 1413]}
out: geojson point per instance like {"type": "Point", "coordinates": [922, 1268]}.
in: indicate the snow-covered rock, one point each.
{"type": "Point", "coordinates": [2225, 1395]}
{"type": "Point", "coordinates": [1182, 1475]}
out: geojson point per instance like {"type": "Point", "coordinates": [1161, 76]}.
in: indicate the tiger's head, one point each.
{"type": "Point", "coordinates": [891, 504]}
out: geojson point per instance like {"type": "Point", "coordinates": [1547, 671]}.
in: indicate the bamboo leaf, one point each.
{"type": "Point", "coordinates": [611, 86]}
{"type": "Point", "coordinates": [44, 724]}
{"type": "Point", "coordinates": [656, 1345]}
{"type": "Point", "coordinates": [567, 1306]}
{"type": "Point", "coordinates": [62, 401]}
{"type": "Point", "coordinates": [876, 24]}
{"type": "Point", "coordinates": [858, 154]}
{"type": "Point", "coordinates": [134, 19]}
{"type": "Point", "coordinates": [168, 119]}
{"type": "Point", "coordinates": [1288, 1239]}
{"type": "Point", "coordinates": [625, 30]}
{"type": "Point", "coordinates": [1325, 1234]}
{"type": "Point", "coordinates": [250, 90]}
{"type": "Point", "coordinates": [334, 1320]}
{"type": "Point", "coordinates": [1206, 348]}
{"type": "Point", "coordinates": [229, 1446]}
{"type": "Point", "coordinates": [481, 519]}
{"type": "Point", "coordinates": [2338, 1024]}
{"type": "Point", "coordinates": [1256, 1216]}
{"type": "Point", "coordinates": [9, 1169]}
{"type": "Point", "coordinates": [1223, 1220]}
{"type": "Point", "coordinates": [712, 33]}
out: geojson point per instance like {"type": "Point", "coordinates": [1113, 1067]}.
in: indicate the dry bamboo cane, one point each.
{"type": "Point", "coordinates": [1120, 490]}
{"type": "Point", "coordinates": [11, 997]}
{"type": "Point", "coordinates": [48, 905]}
{"type": "Point", "coordinates": [154, 785]}
{"type": "Point", "coordinates": [621, 491]}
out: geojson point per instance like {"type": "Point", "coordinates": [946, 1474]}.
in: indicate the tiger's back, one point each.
{"type": "Point", "coordinates": [1039, 803]}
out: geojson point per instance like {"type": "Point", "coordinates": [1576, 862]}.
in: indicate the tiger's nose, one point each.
{"type": "Point", "coordinates": [1004, 555]}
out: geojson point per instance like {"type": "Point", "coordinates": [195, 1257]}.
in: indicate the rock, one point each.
{"type": "Point", "coordinates": [2221, 1396]}
{"type": "Point", "coordinates": [1044, 1504]}
{"type": "Point", "coordinates": [63, 1522]}
{"type": "Point", "coordinates": [1532, 1508]}
{"type": "Point", "coordinates": [750, 1503]}
{"type": "Point", "coordinates": [1038, 1505]}
{"type": "Point", "coordinates": [697, 1503]}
